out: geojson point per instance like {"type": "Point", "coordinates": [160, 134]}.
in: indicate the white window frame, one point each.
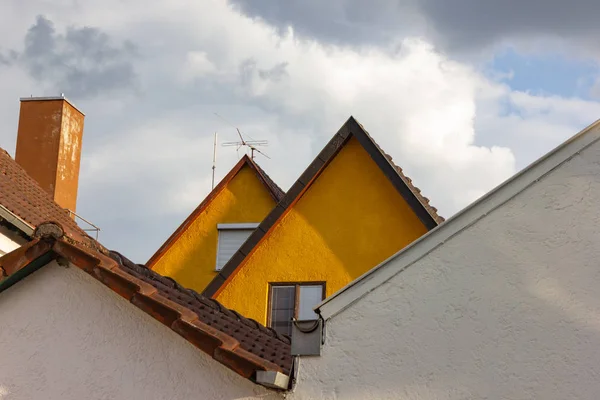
{"type": "Point", "coordinates": [231, 227]}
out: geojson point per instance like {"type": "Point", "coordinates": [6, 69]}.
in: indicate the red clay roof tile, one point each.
{"type": "Point", "coordinates": [22, 196]}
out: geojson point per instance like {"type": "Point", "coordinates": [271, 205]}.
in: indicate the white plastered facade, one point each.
{"type": "Point", "coordinates": [66, 336]}
{"type": "Point", "coordinates": [506, 307]}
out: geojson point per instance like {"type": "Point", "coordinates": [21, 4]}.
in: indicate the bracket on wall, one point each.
{"type": "Point", "coordinates": [307, 337]}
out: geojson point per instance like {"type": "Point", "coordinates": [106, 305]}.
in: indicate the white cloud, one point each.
{"type": "Point", "coordinates": [454, 131]}
{"type": "Point", "coordinates": [197, 64]}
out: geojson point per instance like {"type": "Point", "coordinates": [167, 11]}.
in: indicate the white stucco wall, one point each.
{"type": "Point", "coordinates": [509, 308]}
{"type": "Point", "coordinates": [66, 336]}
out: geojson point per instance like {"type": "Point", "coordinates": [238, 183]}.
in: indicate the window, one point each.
{"type": "Point", "coordinates": [231, 237]}
{"type": "Point", "coordinates": [293, 300]}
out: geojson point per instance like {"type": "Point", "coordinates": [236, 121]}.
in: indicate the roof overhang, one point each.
{"type": "Point", "coordinates": [50, 243]}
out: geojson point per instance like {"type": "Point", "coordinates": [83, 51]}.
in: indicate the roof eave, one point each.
{"type": "Point", "coordinates": [50, 244]}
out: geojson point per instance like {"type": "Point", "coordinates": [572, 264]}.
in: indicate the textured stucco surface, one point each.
{"type": "Point", "coordinates": [509, 308]}
{"type": "Point", "coordinates": [349, 220]}
{"type": "Point", "coordinates": [66, 336]}
{"type": "Point", "coordinates": [192, 258]}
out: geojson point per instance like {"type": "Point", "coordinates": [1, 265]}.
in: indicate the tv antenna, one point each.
{"type": "Point", "coordinates": [251, 144]}
{"type": "Point", "coordinates": [214, 165]}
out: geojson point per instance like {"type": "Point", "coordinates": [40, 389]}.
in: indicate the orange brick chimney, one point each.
{"type": "Point", "coordinates": [49, 146]}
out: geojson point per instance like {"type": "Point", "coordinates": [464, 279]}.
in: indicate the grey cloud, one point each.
{"type": "Point", "coordinates": [248, 70]}
{"type": "Point", "coordinates": [275, 74]}
{"type": "Point", "coordinates": [468, 23]}
{"type": "Point", "coordinates": [83, 62]}
{"type": "Point", "coordinates": [336, 21]}
{"type": "Point", "coordinates": [9, 58]}
{"type": "Point", "coordinates": [453, 25]}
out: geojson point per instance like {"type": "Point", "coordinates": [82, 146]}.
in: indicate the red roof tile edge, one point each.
{"type": "Point", "coordinates": [229, 351]}
{"type": "Point", "coordinates": [24, 198]}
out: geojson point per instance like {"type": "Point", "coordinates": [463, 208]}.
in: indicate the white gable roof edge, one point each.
{"type": "Point", "coordinates": [504, 192]}
{"type": "Point", "coordinates": [14, 220]}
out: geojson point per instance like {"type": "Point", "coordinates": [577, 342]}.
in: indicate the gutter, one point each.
{"type": "Point", "coordinates": [273, 379]}
{"type": "Point", "coordinates": [17, 222]}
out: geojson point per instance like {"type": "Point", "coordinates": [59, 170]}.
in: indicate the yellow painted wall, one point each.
{"type": "Point", "coordinates": [192, 258]}
{"type": "Point", "coordinates": [349, 220]}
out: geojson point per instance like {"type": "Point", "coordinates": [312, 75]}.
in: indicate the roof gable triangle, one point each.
{"type": "Point", "coordinates": [274, 190]}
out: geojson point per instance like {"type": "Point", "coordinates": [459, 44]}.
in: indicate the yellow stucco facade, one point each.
{"type": "Point", "coordinates": [348, 220]}
{"type": "Point", "coordinates": [190, 256]}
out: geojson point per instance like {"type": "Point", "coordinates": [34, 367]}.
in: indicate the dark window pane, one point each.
{"type": "Point", "coordinates": [282, 308]}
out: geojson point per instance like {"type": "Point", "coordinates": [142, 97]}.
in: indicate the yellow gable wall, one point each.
{"type": "Point", "coordinates": [191, 259]}
{"type": "Point", "coordinates": [349, 220]}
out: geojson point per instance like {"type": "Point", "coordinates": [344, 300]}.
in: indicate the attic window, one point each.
{"type": "Point", "coordinates": [231, 238]}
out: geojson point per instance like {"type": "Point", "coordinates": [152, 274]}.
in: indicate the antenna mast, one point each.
{"type": "Point", "coordinates": [214, 164]}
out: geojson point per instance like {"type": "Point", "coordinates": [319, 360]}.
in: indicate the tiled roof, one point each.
{"type": "Point", "coordinates": [411, 194]}
{"type": "Point", "coordinates": [22, 196]}
{"type": "Point", "coordinates": [239, 343]}
{"type": "Point", "coordinates": [271, 186]}
{"type": "Point", "coordinates": [253, 337]}
{"type": "Point", "coordinates": [276, 191]}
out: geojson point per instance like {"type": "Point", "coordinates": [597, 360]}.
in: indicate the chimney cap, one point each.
{"type": "Point", "coordinates": [49, 98]}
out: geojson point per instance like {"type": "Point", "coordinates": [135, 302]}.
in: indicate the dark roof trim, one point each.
{"type": "Point", "coordinates": [350, 128]}
{"type": "Point", "coordinates": [273, 189]}
{"type": "Point", "coordinates": [276, 192]}
{"type": "Point", "coordinates": [392, 174]}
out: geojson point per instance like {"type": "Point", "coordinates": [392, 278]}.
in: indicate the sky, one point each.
{"type": "Point", "coordinates": [462, 94]}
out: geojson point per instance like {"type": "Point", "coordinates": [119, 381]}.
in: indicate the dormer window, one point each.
{"type": "Point", "coordinates": [231, 238]}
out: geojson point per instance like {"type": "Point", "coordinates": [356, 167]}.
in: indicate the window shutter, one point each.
{"type": "Point", "coordinates": [229, 242]}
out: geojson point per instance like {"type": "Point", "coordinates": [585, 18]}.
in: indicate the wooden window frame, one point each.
{"type": "Point", "coordinates": [296, 285]}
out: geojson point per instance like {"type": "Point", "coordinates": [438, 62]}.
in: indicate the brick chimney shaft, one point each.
{"type": "Point", "coordinates": [49, 146]}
